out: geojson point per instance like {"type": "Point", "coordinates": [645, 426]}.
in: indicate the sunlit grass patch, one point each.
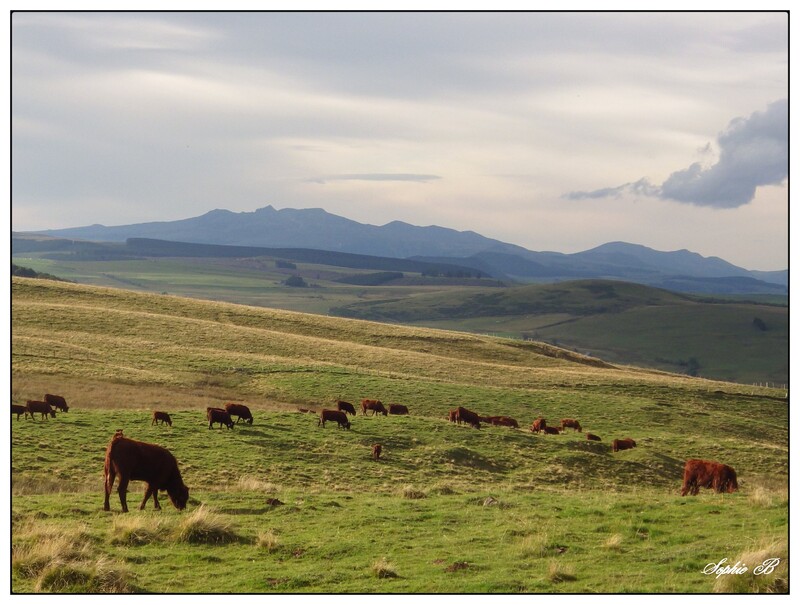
{"type": "Point", "coordinates": [205, 527]}
{"type": "Point", "coordinates": [758, 562]}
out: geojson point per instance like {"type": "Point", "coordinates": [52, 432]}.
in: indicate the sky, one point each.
{"type": "Point", "coordinates": [553, 131]}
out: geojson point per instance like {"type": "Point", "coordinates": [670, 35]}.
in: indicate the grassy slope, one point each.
{"type": "Point", "coordinates": [622, 527]}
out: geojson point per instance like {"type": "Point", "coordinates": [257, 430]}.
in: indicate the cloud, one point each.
{"type": "Point", "coordinates": [753, 152]}
{"type": "Point", "coordinates": [415, 178]}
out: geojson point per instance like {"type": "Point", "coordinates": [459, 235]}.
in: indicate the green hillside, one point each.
{"type": "Point", "coordinates": [448, 508]}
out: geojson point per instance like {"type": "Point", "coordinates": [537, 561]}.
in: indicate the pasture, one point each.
{"type": "Point", "coordinates": [286, 506]}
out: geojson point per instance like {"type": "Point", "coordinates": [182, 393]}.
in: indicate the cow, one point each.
{"type": "Point", "coordinates": [347, 408]}
{"type": "Point", "coordinates": [623, 444]}
{"type": "Point", "coordinates": [39, 407]}
{"type": "Point", "coordinates": [398, 410]}
{"type": "Point", "coordinates": [242, 412]}
{"type": "Point", "coordinates": [161, 417]}
{"type": "Point", "coordinates": [501, 421]}
{"type": "Point", "coordinates": [139, 461]}
{"type": "Point", "coordinates": [334, 416]}
{"type": "Point", "coordinates": [453, 416]}
{"type": "Point", "coordinates": [592, 437]}
{"type": "Point", "coordinates": [376, 450]}
{"type": "Point", "coordinates": [552, 430]}
{"type": "Point", "coordinates": [539, 425]}
{"type": "Point", "coordinates": [218, 415]}
{"type": "Point", "coordinates": [19, 410]}
{"type": "Point", "coordinates": [571, 423]}
{"type": "Point", "coordinates": [708, 474]}
{"type": "Point", "coordinates": [57, 401]}
{"type": "Point", "coordinates": [374, 405]}
{"type": "Point", "coordinates": [467, 416]}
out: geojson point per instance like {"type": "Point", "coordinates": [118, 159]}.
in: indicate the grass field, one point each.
{"type": "Point", "coordinates": [447, 509]}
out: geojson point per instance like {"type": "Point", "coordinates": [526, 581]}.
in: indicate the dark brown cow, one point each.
{"type": "Point", "coordinates": [709, 474]}
{"type": "Point", "coordinates": [376, 450]}
{"type": "Point", "coordinates": [39, 407]}
{"type": "Point", "coordinates": [467, 416]}
{"type": "Point", "coordinates": [592, 437]}
{"type": "Point", "coordinates": [19, 410]}
{"type": "Point", "coordinates": [334, 416]}
{"type": "Point", "coordinates": [218, 415]}
{"type": "Point", "coordinates": [398, 410]}
{"type": "Point", "coordinates": [501, 421]}
{"type": "Point", "coordinates": [552, 430]}
{"type": "Point", "coordinates": [623, 444]}
{"type": "Point", "coordinates": [374, 405]}
{"type": "Point", "coordinates": [57, 401]}
{"type": "Point", "coordinates": [161, 417]}
{"type": "Point", "coordinates": [346, 407]}
{"type": "Point", "coordinates": [571, 423]}
{"type": "Point", "coordinates": [139, 461]}
{"type": "Point", "coordinates": [539, 425]}
{"type": "Point", "coordinates": [242, 412]}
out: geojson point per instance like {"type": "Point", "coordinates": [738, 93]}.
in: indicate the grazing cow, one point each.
{"type": "Point", "coordinates": [539, 425]}
{"type": "Point", "coordinates": [334, 416]}
{"type": "Point", "coordinates": [376, 450]}
{"type": "Point", "coordinates": [57, 401]}
{"type": "Point", "coordinates": [39, 407]}
{"type": "Point", "coordinates": [161, 417]}
{"type": "Point", "coordinates": [708, 474]}
{"type": "Point", "coordinates": [623, 444]}
{"type": "Point", "coordinates": [592, 437]}
{"type": "Point", "coordinates": [374, 405]}
{"type": "Point", "coordinates": [552, 430]}
{"type": "Point", "coordinates": [218, 415]}
{"type": "Point", "coordinates": [501, 421]}
{"type": "Point", "coordinates": [571, 423]}
{"type": "Point", "coordinates": [241, 411]}
{"type": "Point", "coordinates": [19, 410]}
{"type": "Point", "coordinates": [398, 410]}
{"type": "Point", "coordinates": [347, 408]}
{"type": "Point", "coordinates": [467, 416]}
{"type": "Point", "coordinates": [138, 461]}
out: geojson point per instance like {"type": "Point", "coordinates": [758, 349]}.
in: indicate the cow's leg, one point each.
{"type": "Point", "coordinates": [110, 476]}
{"type": "Point", "coordinates": [123, 492]}
{"type": "Point", "coordinates": [155, 499]}
{"type": "Point", "coordinates": [148, 491]}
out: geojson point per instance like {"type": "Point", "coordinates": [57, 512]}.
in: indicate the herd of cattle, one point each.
{"type": "Point", "coordinates": [157, 467]}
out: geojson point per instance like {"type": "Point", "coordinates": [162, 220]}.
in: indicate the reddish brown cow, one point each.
{"type": "Point", "coordinates": [218, 415]}
{"type": "Point", "coordinates": [501, 421]}
{"type": "Point", "coordinates": [623, 444]}
{"type": "Point", "coordinates": [139, 461]}
{"type": "Point", "coordinates": [39, 407]}
{"type": "Point", "coordinates": [467, 416]}
{"type": "Point", "coordinates": [57, 401]}
{"type": "Point", "coordinates": [374, 405]}
{"type": "Point", "coordinates": [552, 430]}
{"type": "Point", "coordinates": [334, 416]}
{"type": "Point", "coordinates": [540, 424]}
{"type": "Point", "coordinates": [453, 416]}
{"type": "Point", "coordinates": [592, 437]}
{"type": "Point", "coordinates": [708, 474]}
{"type": "Point", "coordinates": [571, 423]}
{"type": "Point", "coordinates": [161, 417]}
{"type": "Point", "coordinates": [347, 408]}
{"type": "Point", "coordinates": [242, 412]}
{"type": "Point", "coordinates": [19, 410]}
{"type": "Point", "coordinates": [376, 450]}
{"type": "Point", "coordinates": [398, 410]}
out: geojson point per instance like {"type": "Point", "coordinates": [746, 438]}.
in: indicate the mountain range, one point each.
{"type": "Point", "coordinates": [317, 229]}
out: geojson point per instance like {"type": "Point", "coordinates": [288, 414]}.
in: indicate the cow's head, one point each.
{"type": "Point", "coordinates": [179, 496]}
{"type": "Point", "coordinates": [52, 413]}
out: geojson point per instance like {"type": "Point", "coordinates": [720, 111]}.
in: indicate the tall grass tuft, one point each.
{"type": "Point", "coordinates": [38, 550]}
{"type": "Point", "coordinates": [101, 576]}
{"type": "Point", "coordinates": [558, 572]}
{"type": "Point", "coordinates": [752, 582]}
{"type": "Point", "coordinates": [384, 569]}
{"type": "Point", "coordinates": [136, 530]}
{"type": "Point", "coordinates": [205, 527]}
{"type": "Point", "coordinates": [614, 542]}
{"type": "Point", "coordinates": [412, 493]}
{"type": "Point", "coordinates": [268, 540]}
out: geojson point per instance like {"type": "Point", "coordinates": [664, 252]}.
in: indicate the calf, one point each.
{"type": "Point", "coordinates": [467, 416]}
{"type": "Point", "coordinates": [139, 461]}
{"type": "Point", "coordinates": [501, 421]}
{"type": "Point", "coordinates": [374, 405]}
{"type": "Point", "coordinates": [552, 430]}
{"type": "Point", "coordinates": [592, 437]}
{"type": "Point", "coordinates": [398, 410]}
{"type": "Point", "coordinates": [242, 412]}
{"type": "Point", "coordinates": [376, 450]}
{"type": "Point", "coordinates": [57, 401]}
{"type": "Point", "coordinates": [40, 407]}
{"type": "Point", "coordinates": [571, 423]}
{"type": "Point", "coordinates": [344, 406]}
{"type": "Point", "coordinates": [539, 425]}
{"type": "Point", "coordinates": [334, 416]}
{"type": "Point", "coordinates": [623, 444]}
{"type": "Point", "coordinates": [708, 474]}
{"type": "Point", "coordinates": [218, 415]}
{"type": "Point", "coordinates": [161, 417]}
{"type": "Point", "coordinates": [19, 410]}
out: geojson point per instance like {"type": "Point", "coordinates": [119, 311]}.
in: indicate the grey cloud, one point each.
{"type": "Point", "coordinates": [754, 152]}
{"type": "Point", "coordinates": [415, 178]}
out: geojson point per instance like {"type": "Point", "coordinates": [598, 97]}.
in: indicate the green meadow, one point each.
{"type": "Point", "coordinates": [286, 506]}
